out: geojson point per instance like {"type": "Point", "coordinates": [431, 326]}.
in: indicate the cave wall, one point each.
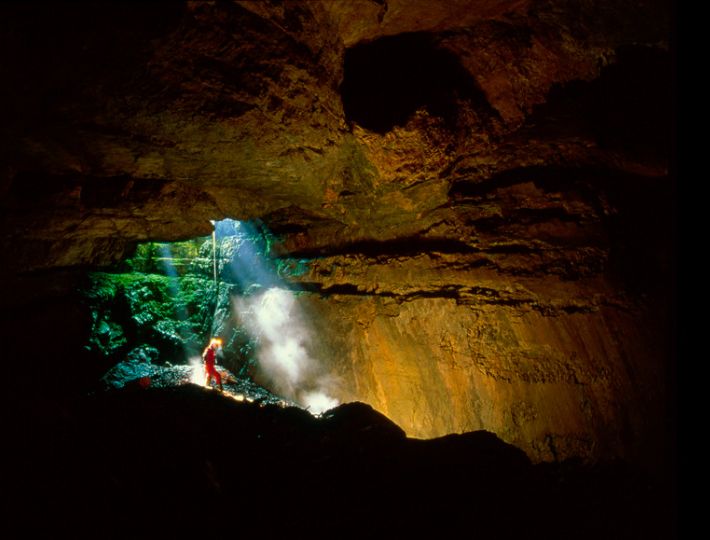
{"type": "Point", "coordinates": [497, 255]}
{"type": "Point", "coordinates": [556, 384]}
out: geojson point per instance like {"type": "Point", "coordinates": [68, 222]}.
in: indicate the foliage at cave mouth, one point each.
{"type": "Point", "coordinates": [160, 306]}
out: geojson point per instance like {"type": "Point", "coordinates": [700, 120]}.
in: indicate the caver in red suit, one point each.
{"type": "Point", "coordinates": [209, 357]}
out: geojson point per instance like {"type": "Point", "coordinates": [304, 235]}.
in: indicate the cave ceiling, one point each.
{"type": "Point", "coordinates": [478, 126]}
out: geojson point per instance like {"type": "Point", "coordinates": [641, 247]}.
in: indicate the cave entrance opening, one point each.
{"type": "Point", "coordinates": [157, 310]}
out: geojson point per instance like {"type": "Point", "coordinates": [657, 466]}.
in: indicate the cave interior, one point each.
{"type": "Point", "coordinates": [436, 238]}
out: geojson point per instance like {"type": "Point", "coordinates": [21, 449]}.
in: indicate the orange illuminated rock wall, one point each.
{"type": "Point", "coordinates": [557, 384]}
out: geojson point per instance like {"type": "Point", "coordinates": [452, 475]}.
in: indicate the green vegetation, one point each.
{"type": "Point", "coordinates": [173, 315]}
{"type": "Point", "coordinates": [181, 258]}
{"type": "Point", "coordinates": [162, 305]}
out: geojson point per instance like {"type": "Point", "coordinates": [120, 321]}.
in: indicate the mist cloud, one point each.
{"type": "Point", "coordinates": [273, 317]}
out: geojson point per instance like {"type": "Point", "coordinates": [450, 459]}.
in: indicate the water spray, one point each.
{"type": "Point", "coordinates": [273, 317]}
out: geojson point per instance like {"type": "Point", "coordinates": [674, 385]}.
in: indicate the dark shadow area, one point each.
{"type": "Point", "coordinates": [632, 110]}
{"type": "Point", "coordinates": [164, 462]}
{"type": "Point", "coordinates": [58, 53]}
{"type": "Point", "coordinates": [396, 247]}
{"type": "Point", "coordinates": [633, 210]}
{"type": "Point", "coordinates": [387, 80]}
{"type": "Point", "coordinates": [292, 220]}
{"type": "Point", "coordinates": [627, 108]}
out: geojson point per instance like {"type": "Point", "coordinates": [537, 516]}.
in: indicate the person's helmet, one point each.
{"type": "Point", "coordinates": [216, 341]}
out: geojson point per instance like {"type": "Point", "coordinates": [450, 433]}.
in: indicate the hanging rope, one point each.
{"type": "Point", "coordinates": [214, 272]}
{"type": "Point", "coordinates": [214, 254]}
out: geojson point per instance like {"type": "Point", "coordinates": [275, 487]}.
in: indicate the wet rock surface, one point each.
{"type": "Point", "coordinates": [140, 375]}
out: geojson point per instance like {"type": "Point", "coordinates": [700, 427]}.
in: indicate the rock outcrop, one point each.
{"type": "Point", "coordinates": [189, 462]}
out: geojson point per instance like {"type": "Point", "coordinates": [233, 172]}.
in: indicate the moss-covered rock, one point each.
{"type": "Point", "coordinates": [155, 319]}
{"type": "Point", "coordinates": [165, 297]}
{"type": "Point", "coordinates": [170, 314]}
{"type": "Point", "coordinates": [172, 258]}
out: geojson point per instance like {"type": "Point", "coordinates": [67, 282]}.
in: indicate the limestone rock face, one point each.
{"type": "Point", "coordinates": [555, 381]}
{"type": "Point", "coordinates": [482, 189]}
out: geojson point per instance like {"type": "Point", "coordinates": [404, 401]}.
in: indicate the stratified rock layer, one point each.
{"type": "Point", "coordinates": [555, 383]}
